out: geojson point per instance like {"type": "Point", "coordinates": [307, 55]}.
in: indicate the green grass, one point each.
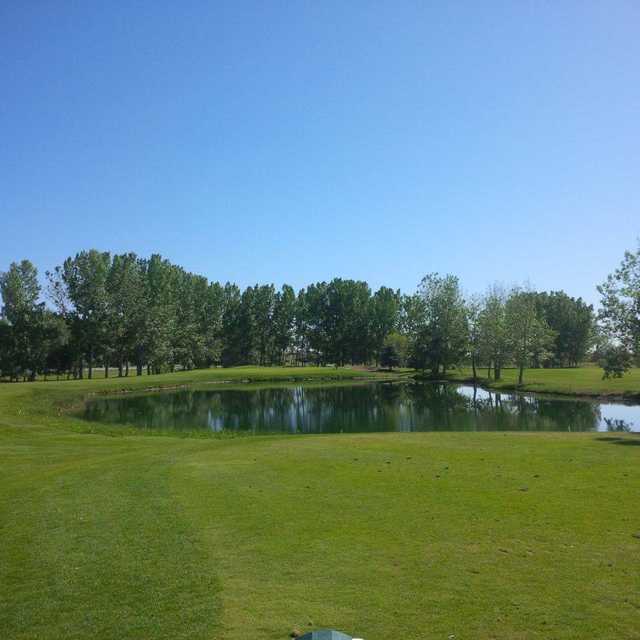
{"type": "Point", "coordinates": [431, 535]}
{"type": "Point", "coordinates": [578, 381]}
{"type": "Point", "coordinates": [52, 402]}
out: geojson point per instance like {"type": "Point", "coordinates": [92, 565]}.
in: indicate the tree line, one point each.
{"type": "Point", "coordinates": [99, 310]}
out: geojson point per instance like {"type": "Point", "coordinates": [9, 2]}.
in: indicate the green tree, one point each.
{"type": "Point", "coordinates": [25, 321]}
{"type": "Point", "coordinates": [493, 338]}
{"type": "Point", "coordinates": [620, 303]}
{"type": "Point", "coordinates": [394, 351]}
{"type": "Point", "coordinates": [385, 311]}
{"type": "Point", "coordinates": [58, 352]}
{"type": "Point", "coordinates": [572, 321]}
{"type": "Point", "coordinates": [615, 361]}
{"type": "Point", "coordinates": [283, 322]}
{"type": "Point", "coordinates": [231, 338]}
{"type": "Point", "coordinates": [126, 309]}
{"type": "Point", "coordinates": [347, 321]}
{"type": "Point", "coordinates": [412, 314]}
{"type": "Point", "coordinates": [313, 325]}
{"type": "Point", "coordinates": [474, 311]}
{"type": "Point", "coordinates": [442, 337]}
{"type": "Point", "coordinates": [263, 306]}
{"type": "Point", "coordinates": [189, 336]}
{"type": "Point", "coordinates": [20, 291]}
{"type": "Point", "coordinates": [7, 350]}
{"type": "Point", "coordinates": [212, 323]}
{"type": "Point", "coordinates": [81, 282]}
{"type": "Point", "coordinates": [528, 333]}
{"type": "Point", "coordinates": [161, 317]}
{"type": "Point", "coordinates": [302, 328]}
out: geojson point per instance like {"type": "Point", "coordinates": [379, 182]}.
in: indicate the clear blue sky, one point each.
{"type": "Point", "coordinates": [297, 141]}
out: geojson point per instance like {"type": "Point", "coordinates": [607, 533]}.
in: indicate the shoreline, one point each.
{"type": "Point", "coordinates": [627, 397]}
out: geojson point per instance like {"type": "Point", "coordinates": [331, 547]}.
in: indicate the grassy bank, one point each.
{"type": "Point", "coordinates": [431, 535]}
{"type": "Point", "coordinates": [51, 403]}
{"type": "Point", "coordinates": [586, 381]}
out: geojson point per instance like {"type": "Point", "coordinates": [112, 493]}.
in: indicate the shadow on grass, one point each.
{"type": "Point", "coordinates": [631, 440]}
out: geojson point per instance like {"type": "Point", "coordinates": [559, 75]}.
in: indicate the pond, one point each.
{"type": "Point", "coordinates": [370, 407]}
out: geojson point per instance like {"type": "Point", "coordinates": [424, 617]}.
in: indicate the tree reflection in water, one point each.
{"type": "Point", "coordinates": [356, 408]}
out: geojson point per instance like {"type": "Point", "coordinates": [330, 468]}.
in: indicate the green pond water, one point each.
{"type": "Point", "coordinates": [371, 407]}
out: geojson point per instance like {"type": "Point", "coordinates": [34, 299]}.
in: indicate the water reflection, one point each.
{"type": "Point", "coordinates": [361, 408]}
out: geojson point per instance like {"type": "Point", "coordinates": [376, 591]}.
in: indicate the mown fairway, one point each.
{"type": "Point", "coordinates": [396, 535]}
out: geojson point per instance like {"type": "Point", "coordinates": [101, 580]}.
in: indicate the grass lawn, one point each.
{"type": "Point", "coordinates": [579, 381]}
{"type": "Point", "coordinates": [430, 535]}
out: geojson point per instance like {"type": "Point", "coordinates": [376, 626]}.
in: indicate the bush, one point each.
{"type": "Point", "coordinates": [615, 362]}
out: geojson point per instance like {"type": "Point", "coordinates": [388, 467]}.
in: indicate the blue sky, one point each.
{"type": "Point", "coordinates": [294, 142]}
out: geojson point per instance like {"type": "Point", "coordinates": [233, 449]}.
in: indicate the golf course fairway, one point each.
{"type": "Point", "coordinates": [409, 535]}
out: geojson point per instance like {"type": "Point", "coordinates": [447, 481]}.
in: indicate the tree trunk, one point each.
{"type": "Point", "coordinates": [473, 368]}
{"type": "Point", "coordinates": [520, 374]}
{"type": "Point", "coordinates": [90, 364]}
{"type": "Point", "coordinates": [126, 368]}
{"type": "Point", "coordinates": [497, 371]}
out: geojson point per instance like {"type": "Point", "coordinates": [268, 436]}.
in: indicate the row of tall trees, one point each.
{"type": "Point", "coordinates": [123, 311]}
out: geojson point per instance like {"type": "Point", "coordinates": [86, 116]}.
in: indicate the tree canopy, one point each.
{"type": "Point", "coordinates": [120, 310]}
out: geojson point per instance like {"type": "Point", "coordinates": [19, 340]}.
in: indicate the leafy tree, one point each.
{"type": "Point", "coordinates": [302, 328]}
{"type": "Point", "coordinates": [58, 352]}
{"type": "Point", "coordinates": [528, 333]}
{"type": "Point", "coordinates": [385, 309]}
{"type": "Point", "coordinates": [441, 338]}
{"type": "Point", "coordinates": [283, 322]}
{"type": "Point", "coordinates": [493, 336]}
{"type": "Point", "coordinates": [412, 314]}
{"type": "Point", "coordinates": [620, 303]}
{"type": "Point", "coordinates": [211, 325]}
{"type": "Point", "coordinates": [389, 357]}
{"type": "Point", "coordinates": [474, 311]}
{"type": "Point", "coordinates": [82, 283]}
{"type": "Point", "coordinates": [312, 323]}
{"type": "Point", "coordinates": [7, 352]}
{"type": "Point", "coordinates": [615, 361]}
{"type": "Point", "coordinates": [188, 340]}
{"type": "Point", "coordinates": [263, 304]}
{"type": "Point", "coordinates": [572, 321]}
{"type": "Point", "coordinates": [20, 291]}
{"type": "Point", "coordinates": [347, 321]}
{"type": "Point", "coordinates": [24, 328]}
{"type": "Point", "coordinates": [394, 351]}
{"type": "Point", "coordinates": [231, 338]}
{"type": "Point", "coordinates": [126, 309]}
{"type": "Point", "coordinates": [160, 299]}
{"type": "Point", "coordinates": [246, 333]}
